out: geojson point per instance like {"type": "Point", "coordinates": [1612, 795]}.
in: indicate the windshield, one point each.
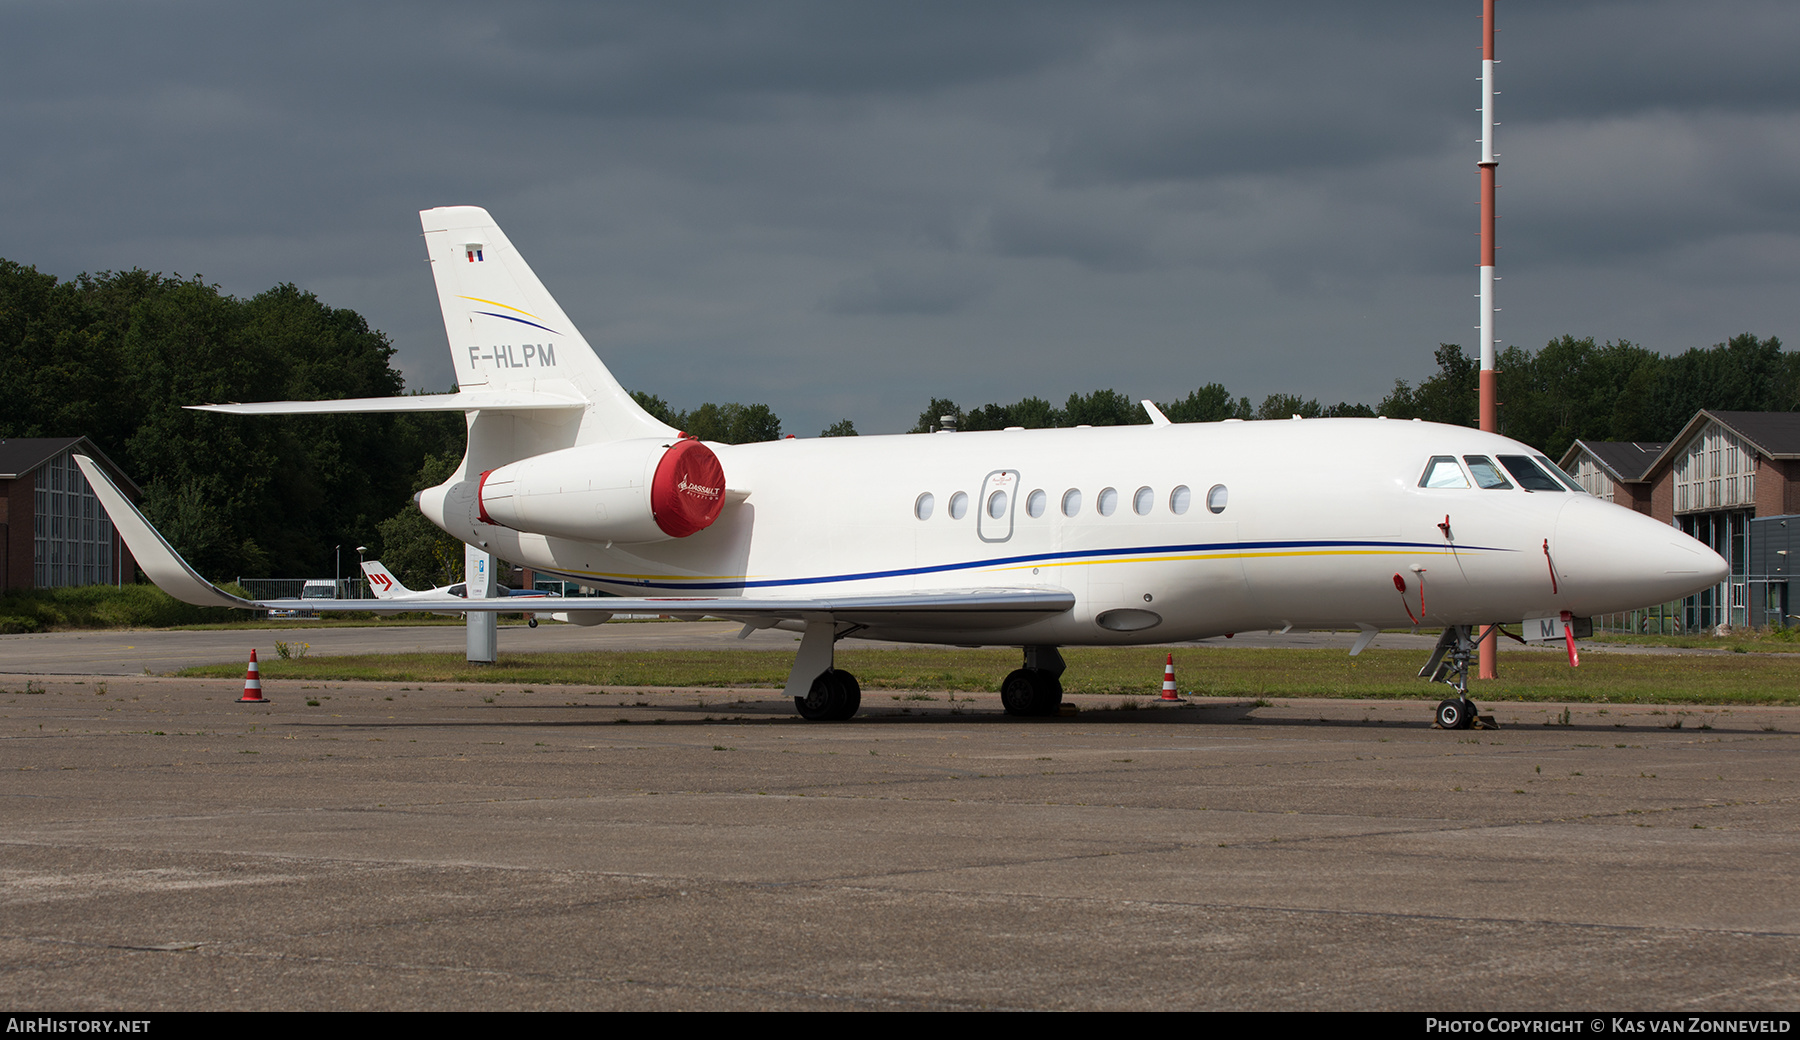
{"type": "Point", "coordinates": [1443, 472]}
{"type": "Point", "coordinates": [1557, 471]}
{"type": "Point", "coordinates": [1528, 475]}
{"type": "Point", "coordinates": [1486, 473]}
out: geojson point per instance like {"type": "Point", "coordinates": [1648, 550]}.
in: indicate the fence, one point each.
{"type": "Point", "coordinates": [290, 588]}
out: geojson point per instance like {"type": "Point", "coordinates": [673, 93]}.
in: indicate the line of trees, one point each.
{"type": "Point", "coordinates": [115, 355]}
{"type": "Point", "coordinates": [1572, 389]}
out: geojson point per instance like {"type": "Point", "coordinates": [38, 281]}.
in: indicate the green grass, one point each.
{"type": "Point", "coordinates": [1108, 671]}
{"type": "Point", "coordinates": [103, 606]}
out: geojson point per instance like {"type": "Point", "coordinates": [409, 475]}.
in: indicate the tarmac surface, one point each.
{"type": "Point", "coordinates": [484, 848]}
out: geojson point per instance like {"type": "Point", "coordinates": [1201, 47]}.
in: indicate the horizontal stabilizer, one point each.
{"type": "Point", "coordinates": [471, 401]}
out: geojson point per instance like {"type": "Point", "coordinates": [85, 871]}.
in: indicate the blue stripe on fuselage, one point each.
{"type": "Point", "coordinates": [1005, 561]}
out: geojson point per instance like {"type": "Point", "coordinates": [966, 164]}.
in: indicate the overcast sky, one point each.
{"type": "Point", "coordinates": [843, 210]}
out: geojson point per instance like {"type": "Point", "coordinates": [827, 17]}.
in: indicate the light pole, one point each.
{"type": "Point", "coordinates": [337, 571]}
{"type": "Point", "coordinates": [359, 565]}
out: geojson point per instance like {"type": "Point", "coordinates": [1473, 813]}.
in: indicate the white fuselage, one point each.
{"type": "Point", "coordinates": [1318, 518]}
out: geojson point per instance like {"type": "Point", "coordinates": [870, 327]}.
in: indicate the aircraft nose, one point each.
{"type": "Point", "coordinates": [1614, 559]}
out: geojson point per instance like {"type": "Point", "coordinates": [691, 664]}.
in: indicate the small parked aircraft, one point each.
{"type": "Point", "coordinates": [1038, 539]}
{"type": "Point", "coordinates": [385, 586]}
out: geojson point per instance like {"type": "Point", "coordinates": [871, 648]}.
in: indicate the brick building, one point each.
{"type": "Point", "coordinates": [52, 529]}
{"type": "Point", "coordinates": [1730, 479]}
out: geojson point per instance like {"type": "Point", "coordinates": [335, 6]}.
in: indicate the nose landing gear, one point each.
{"type": "Point", "coordinates": [1449, 664]}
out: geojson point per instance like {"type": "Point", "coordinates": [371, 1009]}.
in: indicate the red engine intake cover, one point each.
{"type": "Point", "coordinates": [688, 490]}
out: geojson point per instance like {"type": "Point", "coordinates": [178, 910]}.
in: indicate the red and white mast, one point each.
{"type": "Point", "coordinates": [1488, 165]}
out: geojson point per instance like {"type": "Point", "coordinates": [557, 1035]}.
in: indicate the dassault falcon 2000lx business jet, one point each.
{"type": "Point", "coordinates": [1039, 539]}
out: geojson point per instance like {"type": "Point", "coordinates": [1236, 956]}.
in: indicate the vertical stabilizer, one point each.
{"type": "Point", "coordinates": [382, 581]}
{"type": "Point", "coordinates": [507, 333]}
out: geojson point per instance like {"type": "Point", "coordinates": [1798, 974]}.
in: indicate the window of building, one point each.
{"type": "Point", "coordinates": [71, 534]}
{"type": "Point", "coordinates": [1593, 479]}
{"type": "Point", "coordinates": [1715, 472]}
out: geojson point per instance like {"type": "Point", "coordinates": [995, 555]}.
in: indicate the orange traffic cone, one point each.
{"type": "Point", "coordinates": [252, 684]}
{"type": "Point", "coordinates": [1169, 693]}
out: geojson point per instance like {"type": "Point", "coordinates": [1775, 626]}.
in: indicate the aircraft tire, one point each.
{"type": "Point", "coordinates": [1027, 692]}
{"type": "Point", "coordinates": [835, 695]}
{"type": "Point", "coordinates": [1455, 713]}
{"type": "Point", "coordinates": [852, 695]}
{"type": "Point", "coordinates": [1019, 693]}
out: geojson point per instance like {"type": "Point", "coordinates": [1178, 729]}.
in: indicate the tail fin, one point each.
{"type": "Point", "coordinates": [508, 334]}
{"type": "Point", "coordinates": [382, 582]}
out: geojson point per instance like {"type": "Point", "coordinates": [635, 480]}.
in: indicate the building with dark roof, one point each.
{"type": "Point", "coordinates": [1616, 471]}
{"type": "Point", "coordinates": [52, 530]}
{"type": "Point", "coordinates": [1730, 479]}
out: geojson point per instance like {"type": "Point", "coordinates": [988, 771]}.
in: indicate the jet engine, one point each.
{"type": "Point", "coordinates": [645, 490]}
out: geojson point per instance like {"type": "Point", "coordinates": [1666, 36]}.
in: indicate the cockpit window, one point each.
{"type": "Point", "coordinates": [1487, 475]}
{"type": "Point", "coordinates": [1556, 471]}
{"type": "Point", "coordinates": [1527, 474]}
{"type": "Point", "coordinates": [459, 589]}
{"type": "Point", "coordinates": [1443, 472]}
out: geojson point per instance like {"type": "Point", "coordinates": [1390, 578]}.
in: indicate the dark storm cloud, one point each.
{"type": "Point", "coordinates": [845, 209]}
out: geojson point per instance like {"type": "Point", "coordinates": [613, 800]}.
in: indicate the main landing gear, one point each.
{"type": "Point", "coordinates": [1449, 664]}
{"type": "Point", "coordinates": [825, 693]}
{"type": "Point", "coordinates": [834, 697]}
{"type": "Point", "coordinates": [1035, 689]}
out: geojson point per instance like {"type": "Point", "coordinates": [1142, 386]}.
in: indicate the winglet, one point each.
{"type": "Point", "coordinates": [1157, 418]}
{"type": "Point", "coordinates": [159, 560]}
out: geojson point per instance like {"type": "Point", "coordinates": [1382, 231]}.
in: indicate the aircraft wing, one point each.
{"type": "Point", "coordinates": [173, 575]}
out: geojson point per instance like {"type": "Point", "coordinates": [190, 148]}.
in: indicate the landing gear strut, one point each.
{"type": "Point", "coordinates": [821, 692]}
{"type": "Point", "coordinates": [1035, 689]}
{"type": "Point", "coordinates": [1449, 664]}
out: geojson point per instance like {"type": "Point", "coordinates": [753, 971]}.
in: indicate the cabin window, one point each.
{"type": "Point", "coordinates": [1180, 499]}
{"type": "Point", "coordinates": [1443, 472]}
{"type": "Point", "coordinates": [1071, 503]}
{"type": "Point", "coordinates": [1036, 502]}
{"type": "Point", "coordinates": [1528, 475]}
{"type": "Point", "coordinates": [922, 505]}
{"type": "Point", "coordinates": [1487, 475]}
{"type": "Point", "coordinates": [959, 506]}
{"type": "Point", "coordinates": [1215, 499]}
{"type": "Point", "coordinates": [1143, 501]}
{"type": "Point", "coordinates": [1109, 501]}
{"type": "Point", "coordinates": [1557, 471]}
{"type": "Point", "coordinates": [996, 506]}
